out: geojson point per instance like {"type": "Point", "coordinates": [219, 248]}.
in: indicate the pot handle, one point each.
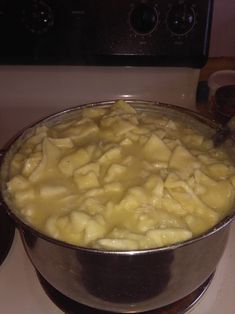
{"type": "Point", "coordinates": [2, 152]}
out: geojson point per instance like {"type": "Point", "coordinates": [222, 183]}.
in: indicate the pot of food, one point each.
{"type": "Point", "coordinates": [121, 206]}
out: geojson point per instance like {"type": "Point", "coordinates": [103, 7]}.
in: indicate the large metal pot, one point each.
{"type": "Point", "coordinates": [123, 281]}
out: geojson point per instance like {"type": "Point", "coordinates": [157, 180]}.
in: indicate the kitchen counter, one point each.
{"type": "Point", "coordinates": [214, 64]}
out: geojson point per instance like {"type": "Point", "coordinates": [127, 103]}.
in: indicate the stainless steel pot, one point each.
{"type": "Point", "coordinates": [123, 281]}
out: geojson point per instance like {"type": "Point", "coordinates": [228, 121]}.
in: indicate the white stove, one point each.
{"type": "Point", "coordinates": [51, 56]}
{"type": "Point", "coordinates": [29, 93]}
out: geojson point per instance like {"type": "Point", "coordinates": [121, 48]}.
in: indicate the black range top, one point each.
{"type": "Point", "coordinates": [105, 32]}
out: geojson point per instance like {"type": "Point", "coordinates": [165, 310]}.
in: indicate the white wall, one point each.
{"type": "Point", "coordinates": [223, 29]}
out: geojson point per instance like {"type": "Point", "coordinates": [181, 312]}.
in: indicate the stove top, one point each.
{"type": "Point", "coordinates": [28, 94]}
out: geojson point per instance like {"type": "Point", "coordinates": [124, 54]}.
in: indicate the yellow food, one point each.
{"type": "Point", "coordinates": [114, 178]}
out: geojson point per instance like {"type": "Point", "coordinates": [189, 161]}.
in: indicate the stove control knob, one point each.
{"type": "Point", "coordinates": [181, 18]}
{"type": "Point", "coordinates": [38, 17]}
{"type": "Point", "coordinates": [143, 18]}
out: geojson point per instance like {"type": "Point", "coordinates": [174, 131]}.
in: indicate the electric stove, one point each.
{"type": "Point", "coordinates": [59, 54]}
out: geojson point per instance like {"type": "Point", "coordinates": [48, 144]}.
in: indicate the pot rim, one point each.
{"type": "Point", "coordinates": [21, 224]}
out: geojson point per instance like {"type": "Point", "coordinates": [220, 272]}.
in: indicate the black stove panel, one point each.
{"type": "Point", "coordinates": [105, 32]}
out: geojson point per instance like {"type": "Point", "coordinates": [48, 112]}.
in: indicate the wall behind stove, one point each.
{"type": "Point", "coordinates": [223, 29]}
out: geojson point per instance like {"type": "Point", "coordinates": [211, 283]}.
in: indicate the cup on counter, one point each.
{"type": "Point", "coordinates": [222, 94]}
{"type": "Point", "coordinates": [224, 103]}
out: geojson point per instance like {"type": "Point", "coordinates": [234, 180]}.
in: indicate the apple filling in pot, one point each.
{"type": "Point", "coordinates": [120, 179]}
